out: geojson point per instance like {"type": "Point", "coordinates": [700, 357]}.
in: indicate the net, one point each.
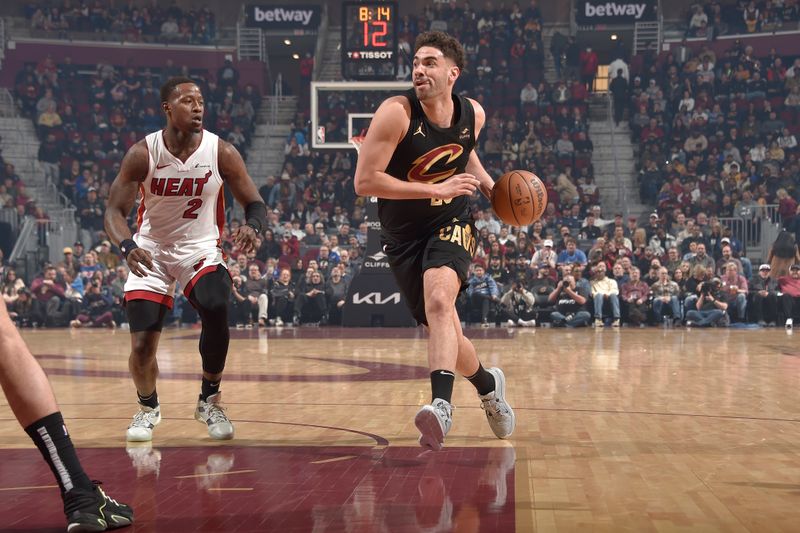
{"type": "Point", "coordinates": [356, 142]}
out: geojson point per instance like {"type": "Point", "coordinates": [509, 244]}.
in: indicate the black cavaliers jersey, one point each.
{"type": "Point", "coordinates": [429, 154]}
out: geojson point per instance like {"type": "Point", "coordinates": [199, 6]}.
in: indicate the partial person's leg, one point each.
{"type": "Point", "coordinates": [146, 319]}
{"type": "Point", "coordinates": [440, 287]}
{"type": "Point", "coordinates": [614, 305]}
{"type": "Point", "coordinates": [597, 300]}
{"type": "Point", "coordinates": [676, 307]}
{"type": "Point", "coordinates": [741, 307]}
{"type": "Point", "coordinates": [657, 305]}
{"type": "Point", "coordinates": [489, 383]}
{"type": "Point", "coordinates": [210, 295]}
{"type": "Point", "coordinates": [263, 305]}
{"type": "Point", "coordinates": [32, 401]}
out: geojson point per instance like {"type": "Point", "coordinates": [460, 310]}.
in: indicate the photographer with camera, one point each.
{"type": "Point", "coordinates": [711, 309]}
{"type": "Point", "coordinates": [97, 307]}
{"type": "Point", "coordinates": [516, 307]}
{"type": "Point", "coordinates": [570, 297]}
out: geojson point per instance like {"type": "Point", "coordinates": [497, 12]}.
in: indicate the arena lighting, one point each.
{"type": "Point", "coordinates": [287, 42]}
{"type": "Point", "coordinates": [613, 36]}
{"type": "Point", "coordinates": [295, 56]}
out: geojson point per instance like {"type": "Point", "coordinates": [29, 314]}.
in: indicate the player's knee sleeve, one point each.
{"type": "Point", "coordinates": [144, 315]}
{"type": "Point", "coordinates": [210, 297]}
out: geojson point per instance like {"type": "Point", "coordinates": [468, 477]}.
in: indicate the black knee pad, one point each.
{"type": "Point", "coordinates": [210, 296]}
{"type": "Point", "coordinates": [144, 315]}
{"type": "Point", "coordinates": [211, 293]}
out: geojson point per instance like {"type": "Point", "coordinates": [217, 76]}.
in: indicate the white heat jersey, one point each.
{"type": "Point", "coordinates": [182, 203]}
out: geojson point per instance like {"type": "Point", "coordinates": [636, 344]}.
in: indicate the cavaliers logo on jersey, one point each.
{"type": "Point", "coordinates": [422, 164]}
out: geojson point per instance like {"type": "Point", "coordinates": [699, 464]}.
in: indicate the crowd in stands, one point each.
{"type": "Point", "coordinates": [715, 133]}
{"type": "Point", "coordinates": [712, 19]}
{"type": "Point", "coordinates": [167, 23]}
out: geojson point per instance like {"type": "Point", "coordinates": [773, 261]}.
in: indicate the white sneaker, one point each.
{"type": "Point", "coordinates": [510, 323]}
{"type": "Point", "coordinates": [213, 414]}
{"type": "Point", "coordinates": [498, 413]}
{"type": "Point", "coordinates": [141, 429]}
{"type": "Point", "coordinates": [598, 323]}
{"type": "Point", "coordinates": [527, 323]}
{"type": "Point", "coordinates": [789, 323]}
{"type": "Point", "coordinates": [145, 459]}
{"type": "Point", "coordinates": [279, 322]}
{"type": "Point", "coordinates": [433, 422]}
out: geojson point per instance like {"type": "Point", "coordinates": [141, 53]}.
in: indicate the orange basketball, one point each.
{"type": "Point", "coordinates": [519, 198]}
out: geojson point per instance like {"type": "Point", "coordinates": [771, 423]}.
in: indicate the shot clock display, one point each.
{"type": "Point", "coordinates": [369, 40]}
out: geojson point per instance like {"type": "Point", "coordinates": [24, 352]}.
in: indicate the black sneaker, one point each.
{"type": "Point", "coordinates": [95, 511]}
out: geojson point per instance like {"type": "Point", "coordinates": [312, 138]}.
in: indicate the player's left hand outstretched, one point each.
{"type": "Point", "coordinates": [244, 237]}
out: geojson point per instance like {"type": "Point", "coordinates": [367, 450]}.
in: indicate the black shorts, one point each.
{"type": "Point", "coordinates": [452, 246]}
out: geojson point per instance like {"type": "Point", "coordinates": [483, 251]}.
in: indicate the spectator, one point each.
{"type": "Point", "coordinates": [666, 292]}
{"type": "Point", "coordinates": [335, 295]}
{"type": "Point", "coordinates": [764, 297]}
{"type": "Point", "coordinates": [310, 305]}
{"type": "Point", "coordinates": [734, 290]}
{"type": "Point", "coordinates": [51, 295]}
{"type": "Point", "coordinates": [710, 307]}
{"type": "Point", "coordinates": [96, 310]}
{"type": "Point", "coordinates": [604, 289]}
{"type": "Point", "coordinates": [482, 291]}
{"type": "Point", "coordinates": [569, 297]}
{"type": "Point", "coordinates": [702, 259]}
{"type": "Point", "coordinates": [790, 300]}
{"type": "Point", "coordinates": [635, 297]}
{"type": "Point", "coordinates": [282, 295]}
{"type": "Point", "coordinates": [619, 92]}
{"type": "Point", "coordinates": [517, 306]}
{"type": "Point", "coordinates": [256, 289]}
{"type": "Point", "coordinates": [571, 254]}
{"type": "Point", "coordinates": [588, 67]}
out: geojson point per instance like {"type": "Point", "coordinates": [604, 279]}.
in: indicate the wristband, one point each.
{"type": "Point", "coordinates": [126, 246]}
{"type": "Point", "coordinates": [255, 214]}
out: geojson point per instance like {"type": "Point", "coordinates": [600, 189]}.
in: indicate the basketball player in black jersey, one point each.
{"type": "Point", "coordinates": [418, 159]}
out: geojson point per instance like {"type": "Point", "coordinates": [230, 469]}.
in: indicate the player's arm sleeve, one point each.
{"type": "Point", "coordinates": [122, 195]}
{"type": "Point", "coordinates": [385, 133]}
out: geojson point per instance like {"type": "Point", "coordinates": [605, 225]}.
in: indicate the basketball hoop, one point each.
{"type": "Point", "coordinates": [356, 141]}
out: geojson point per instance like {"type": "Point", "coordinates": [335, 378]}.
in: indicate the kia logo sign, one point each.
{"type": "Point", "coordinates": [284, 17]}
{"type": "Point", "coordinates": [594, 12]}
{"type": "Point", "coordinates": [376, 298]}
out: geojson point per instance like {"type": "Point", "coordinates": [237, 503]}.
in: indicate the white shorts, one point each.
{"type": "Point", "coordinates": [181, 263]}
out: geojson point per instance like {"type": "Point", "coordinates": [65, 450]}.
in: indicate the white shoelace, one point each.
{"type": "Point", "coordinates": [216, 414]}
{"type": "Point", "coordinates": [142, 419]}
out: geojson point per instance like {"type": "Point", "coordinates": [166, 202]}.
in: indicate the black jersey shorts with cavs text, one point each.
{"type": "Point", "coordinates": [451, 245]}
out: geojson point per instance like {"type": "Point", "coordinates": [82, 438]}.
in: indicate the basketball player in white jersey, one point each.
{"type": "Point", "coordinates": [180, 172]}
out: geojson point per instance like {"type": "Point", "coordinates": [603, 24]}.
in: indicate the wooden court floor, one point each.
{"type": "Point", "coordinates": [617, 430]}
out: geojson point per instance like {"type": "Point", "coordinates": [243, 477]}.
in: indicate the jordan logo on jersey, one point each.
{"type": "Point", "coordinates": [419, 172]}
{"type": "Point", "coordinates": [419, 131]}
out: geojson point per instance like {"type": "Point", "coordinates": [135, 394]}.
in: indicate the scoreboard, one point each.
{"type": "Point", "coordinates": [369, 40]}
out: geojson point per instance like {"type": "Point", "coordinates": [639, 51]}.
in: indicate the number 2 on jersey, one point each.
{"type": "Point", "coordinates": [194, 205]}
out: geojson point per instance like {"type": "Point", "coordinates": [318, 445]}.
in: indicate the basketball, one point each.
{"type": "Point", "coordinates": [519, 198]}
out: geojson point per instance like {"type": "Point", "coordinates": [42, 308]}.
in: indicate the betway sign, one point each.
{"type": "Point", "coordinates": [283, 17]}
{"type": "Point", "coordinates": [594, 12]}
